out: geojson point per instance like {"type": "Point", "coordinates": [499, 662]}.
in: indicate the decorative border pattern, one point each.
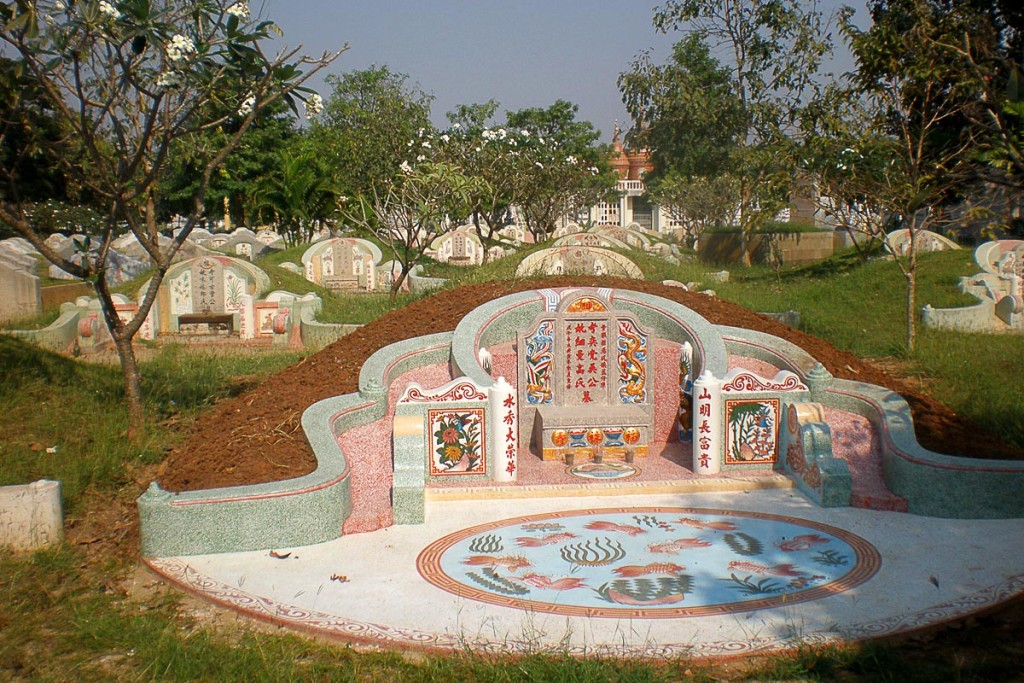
{"type": "Point", "coordinates": [461, 391]}
{"type": "Point", "coordinates": [746, 381]}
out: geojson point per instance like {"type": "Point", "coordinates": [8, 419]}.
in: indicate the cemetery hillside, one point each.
{"type": "Point", "coordinates": [304, 378]}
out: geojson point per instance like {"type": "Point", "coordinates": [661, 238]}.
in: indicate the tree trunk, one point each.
{"type": "Point", "coordinates": [912, 299]}
{"type": "Point", "coordinates": [132, 384]}
{"type": "Point", "coordinates": [396, 286]}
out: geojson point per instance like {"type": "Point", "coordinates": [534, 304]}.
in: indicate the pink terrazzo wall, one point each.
{"type": "Point", "coordinates": [758, 367]}
{"type": "Point", "coordinates": [367, 450]}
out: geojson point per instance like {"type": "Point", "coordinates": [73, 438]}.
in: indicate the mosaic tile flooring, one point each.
{"type": "Point", "coordinates": [634, 578]}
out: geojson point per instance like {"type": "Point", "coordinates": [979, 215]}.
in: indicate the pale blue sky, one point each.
{"type": "Point", "coordinates": [523, 53]}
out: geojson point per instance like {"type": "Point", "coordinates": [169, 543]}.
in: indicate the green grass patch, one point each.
{"type": "Point", "coordinates": [66, 420]}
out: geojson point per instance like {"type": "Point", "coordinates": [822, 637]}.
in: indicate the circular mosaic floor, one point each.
{"type": "Point", "coordinates": [697, 575]}
{"type": "Point", "coordinates": [657, 562]}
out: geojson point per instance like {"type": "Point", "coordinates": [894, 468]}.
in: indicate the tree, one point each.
{"type": "Point", "coordinates": [126, 80]}
{"type": "Point", "coordinates": [844, 158]}
{"type": "Point", "coordinates": [492, 157]}
{"type": "Point", "coordinates": [774, 49]}
{"type": "Point", "coordinates": [694, 93]}
{"type": "Point", "coordinates": [409, 211]}
{"type": "Point", "coordinates": [698, 202]}
{"type": "Point", "coordinates": [561, 169]}
{"type": "Point", "coordinates": [257, 154]}
{"type": "Point", "coordinates": [297, 194]}
{"type": "Point", "coordinates": [912, 96]}
{"type": "Point", "coordinates": [368, 125]}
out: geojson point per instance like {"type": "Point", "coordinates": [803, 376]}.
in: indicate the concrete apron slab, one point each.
{"type": "Point", "coordinates": [368, 589]}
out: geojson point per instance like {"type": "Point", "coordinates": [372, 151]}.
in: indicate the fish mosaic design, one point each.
{"type": "Point", "coordinates": [677, 562]}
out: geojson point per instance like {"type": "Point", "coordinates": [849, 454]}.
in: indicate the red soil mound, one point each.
{"type": "Point", "coordinates": [257, 437]}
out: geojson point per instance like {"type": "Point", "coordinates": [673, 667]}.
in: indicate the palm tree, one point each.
{"type": "Point", "coordinates": [298, 195]}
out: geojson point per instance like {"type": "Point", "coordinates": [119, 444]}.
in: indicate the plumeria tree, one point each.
{"type": "Point", "coordinates": [126, 80]}
{"type": "Point", "coordinates": [407, 212]}
{"type": "Point", "coordinates": [562, 169]}
{"type": "Point", "coordinates": [493, 157]}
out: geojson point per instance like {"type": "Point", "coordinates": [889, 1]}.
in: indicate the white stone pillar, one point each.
{"type": "Point", "coordinates": [707, 424]}
{"type": "Point", "coordinates": [504, 425]}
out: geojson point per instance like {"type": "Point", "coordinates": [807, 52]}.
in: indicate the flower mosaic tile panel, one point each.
{"type": "Point", "coordinates": [657, 562]}
{"type": "Point", "coordinates": [752, 431]}
{"type": "Point", "coordinates": [458, 445]}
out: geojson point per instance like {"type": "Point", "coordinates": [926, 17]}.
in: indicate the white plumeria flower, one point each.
{"type": "Point", "coordinates": [456, 126]}
{"type": "Point", "coordinates": [60, 6]}
{"type": "Point", "coordinates": [477, 149]}
{"type": "Point", "coordinates": [525, 133]}
{"type": "Point", "coordinates": [167, 80]}
{"type": "Point", "coordinates": [314, 105]}
{"type": "Point", "coordinates": [247, 105]}
{"type": "Point", "coordinates": [180, 48]}
{"type": "Point", "coordinates": [421, 158]}
{"type": "Point", "coordinates": [445, 138]}
{"type": "Point", "coordinates": [109, 10]}
{"type": "Point", "coordinates": [240, 10]}
{"type": "Point", "coordinates": [426, 144]}
{"type": "Point", "coordinates": [405, 168]}
{"type": "Point", "coordinates": [572, 160]}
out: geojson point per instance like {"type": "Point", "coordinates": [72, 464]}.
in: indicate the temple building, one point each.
{"type": "Point", "coordinates": [632, 206]}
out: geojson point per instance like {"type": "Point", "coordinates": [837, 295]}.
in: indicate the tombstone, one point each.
{"type": "Point", "coordinates": [210, 295]}
{"type": "Point", "coordinates": [578, 260]}
{"type": "Point", "coordinates": [586, 381]}
{"type": "Point", "coordinates": [898, 241]}
{"type": "Point", "coordinates": [999, 288]}
{"type": "Point", "coordinates": [30, 516]}
{"type": "Point", "coordinates": [460, 247]}
{"type": "Point", "coordinates": [343, 264]}
{"type": "Point", "coordinates": [20, 293]}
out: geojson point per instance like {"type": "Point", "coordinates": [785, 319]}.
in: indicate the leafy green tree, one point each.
{"type": "Point", "coordinates": [773, 49]}
{"type": "Point", "coordinates": [296, 193]}
{"type": "Point", "coordinates": [916, 161]}
{"type": "Point", "coordinates": [562, 170]}
{"type": "Point", "coordinates": [407, 212]}
{"type": "Point", "coordinates": [31, 175]}
{"type": "Point", "coordinates": [126, 80]}
{"type": "Point", "coordinates": [256, 154]}
{"type": "Point", "coordinates": [697, 202]}
{"type": "Point", "coordinates": [694, 93]}
{"type": "Point", "coordinates": [369, 123]}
